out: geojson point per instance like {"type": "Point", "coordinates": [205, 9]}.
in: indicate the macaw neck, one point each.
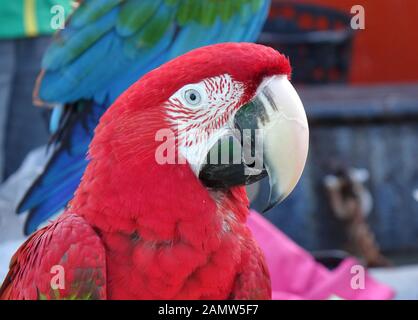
{"type": "Point", "coordinates": [156, 202]}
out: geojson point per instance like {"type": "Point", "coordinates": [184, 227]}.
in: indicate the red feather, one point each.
{"type": "Point", "coordinates": [68, 242]}
{"type": "Point", "coordinates": [162, 234]}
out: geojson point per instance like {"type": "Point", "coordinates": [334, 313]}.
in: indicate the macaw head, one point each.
{"type": "Point", "coordinates": [228, 112]}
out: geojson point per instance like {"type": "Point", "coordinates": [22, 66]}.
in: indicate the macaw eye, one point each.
{"type": "Point", "coordinates": [192, 97]}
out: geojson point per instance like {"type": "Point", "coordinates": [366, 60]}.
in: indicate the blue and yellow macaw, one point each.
{"type": "Point", "coordinates": [106, 46]}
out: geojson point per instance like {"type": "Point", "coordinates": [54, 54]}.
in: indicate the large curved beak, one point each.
{"type": "Point", "coordinates": [286, 137]}
{"type": "Point", "coordinates": [276, 127]}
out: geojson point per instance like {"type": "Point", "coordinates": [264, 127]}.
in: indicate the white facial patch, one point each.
{"type": "Point", "coordinates": [201, 113]}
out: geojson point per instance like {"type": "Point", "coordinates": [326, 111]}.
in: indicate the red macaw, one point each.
{"type": "Point", "coordinates": [142, 228]}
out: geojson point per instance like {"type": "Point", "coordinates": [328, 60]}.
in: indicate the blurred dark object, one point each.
{"type": "Point", "coordinates": [22, 126]}
{"type": "Point", "coordinates": [351, 202]}
{"type": "Point", "coordinates": [318, 41]}
{"type": "Point", "coordinates": [372, 127]}
{"type": "Point", "coordinates": [330, 259]}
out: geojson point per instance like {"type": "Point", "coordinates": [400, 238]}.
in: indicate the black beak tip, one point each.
{"type": "Point", "coordinates": [273, 201]}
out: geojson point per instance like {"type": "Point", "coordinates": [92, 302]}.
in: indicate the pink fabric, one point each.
{"type": "Point", "coordinates": [296, 275]}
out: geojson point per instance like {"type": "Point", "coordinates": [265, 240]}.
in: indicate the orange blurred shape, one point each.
{"type": "Point", "coordinates": [387, 49]}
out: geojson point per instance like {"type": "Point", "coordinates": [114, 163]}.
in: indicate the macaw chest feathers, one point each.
{"type": "Point", "coordinates": [177, 269]}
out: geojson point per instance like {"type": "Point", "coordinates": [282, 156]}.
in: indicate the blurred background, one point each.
{"type": "Point", "coordinates": [360, 90]}
{"type": "Point", "coordinates": [358, 79]}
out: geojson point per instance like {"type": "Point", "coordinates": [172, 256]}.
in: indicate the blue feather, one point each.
{"type": "Point", "coordinates": [52, 205]}
{"type": "Point", "coordinates": [55, 118]}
